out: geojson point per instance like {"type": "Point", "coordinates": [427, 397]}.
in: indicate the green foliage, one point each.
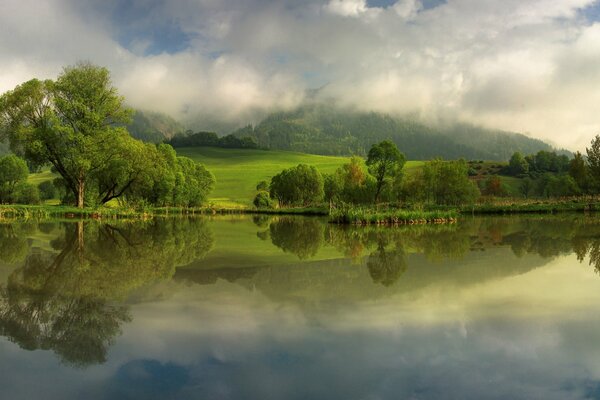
{"type": "Point", "coordinates": [211, 139]}
{"type": "Point", "coordinates": [69, 123]}
{"type": "Point", "coordinates": [441, 182]}
{"type": "Point", "coordinates": [593, 158]}
{"type": "Point", "coordinates": [385, 162]}
{"type": "Point", "coordinates": [13, 175]}
{"type": "Point", "coordinates": [75, 124]}
{"type": "Point", "coordinates": [550, 185]}
{"type": "Point", "coordinates": [518, 165]}
{"type": "Point", "coordinates": [26, 193]}
{"type": "Point", "coordinates": [297, 186]}
{"type": "Point", "coordinates": [350, 183]}
{"type": "Point", "coordinates": [47, 190]}
{"type": "Point", "coordinates": [578, 170]}
{"type": "Point", "coordinates": [262, 186]}
{"type": "Point", "coordinates": [350, 214]}
{"type": "Point", "coordinates": [262, 200]}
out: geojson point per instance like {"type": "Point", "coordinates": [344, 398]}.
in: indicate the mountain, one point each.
{"type": "Point", "coordinates": [323, 129]}
{"type": "Point", "coordinates": [151, 126]}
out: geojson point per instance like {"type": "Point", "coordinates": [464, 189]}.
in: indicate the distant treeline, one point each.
{"type": "Point", "coordinates": [211, 139]}
{"type": "Point", "coordinates": [329, 130]}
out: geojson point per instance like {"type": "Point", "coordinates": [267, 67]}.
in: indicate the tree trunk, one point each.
{"type": "Point", "coordinates": [80, 194]}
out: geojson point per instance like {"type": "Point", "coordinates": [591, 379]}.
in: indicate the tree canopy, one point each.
{"type": "Point", "coordinates": [75, 124]}
{"type": "Point", "coordinates": [385, 162]}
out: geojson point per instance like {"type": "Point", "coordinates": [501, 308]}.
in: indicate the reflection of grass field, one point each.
{"type": "Point", "coordinates": [239, 170]}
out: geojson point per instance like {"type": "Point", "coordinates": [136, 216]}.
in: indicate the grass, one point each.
{"type": "Point", "coordinates": [370, 216]}
{"type": "Point", "coordinates": [239, 170]}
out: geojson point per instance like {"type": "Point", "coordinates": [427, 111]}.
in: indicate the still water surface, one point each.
{"type": "Point", "coordinates": [293, 308]}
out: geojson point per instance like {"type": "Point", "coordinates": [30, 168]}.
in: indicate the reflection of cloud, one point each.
{"type": "Point", "coordinates": [519, 336]}
{"type": "Point", "coordinates": [522, 65]}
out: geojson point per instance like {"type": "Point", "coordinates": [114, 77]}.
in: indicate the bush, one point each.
{"type": "Point", "coordinates": [26, 193]}
{"type": "Point", "coordinates": [263, 200]}
{"type": "Point", "coordinates": [262, 186]}
{"type": "Point", "coordinates": [47, 190]}
{"type": "Point", "coordinates": [297, 186]}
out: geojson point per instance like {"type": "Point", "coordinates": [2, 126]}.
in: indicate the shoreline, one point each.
{"type": "Point", "coordinates": [348, 215]}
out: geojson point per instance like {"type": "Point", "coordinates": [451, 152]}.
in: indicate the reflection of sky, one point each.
{"type": "Point", "coordinates": [530, 336]}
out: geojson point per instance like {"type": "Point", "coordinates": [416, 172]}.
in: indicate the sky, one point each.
{"type": "Point", "coordinates": [531, 66]}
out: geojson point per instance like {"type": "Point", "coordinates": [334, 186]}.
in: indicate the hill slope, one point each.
{"type": "Point", "coordinates": [239, 170]}
{"type": "Point", "coordinates": [322, 129]}
{"type": "Point", "coordinates": [153, 127]}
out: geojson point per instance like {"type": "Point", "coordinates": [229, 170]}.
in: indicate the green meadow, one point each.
{"type": "Point", "coordinates": [239, 170]}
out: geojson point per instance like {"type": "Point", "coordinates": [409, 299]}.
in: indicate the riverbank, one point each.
{"type": "Point", "coordinates": [67, 212]}
{"type": "Point", "coordinates": [370, 216]}
{"type": "Point", "coordinates": [341, 215]}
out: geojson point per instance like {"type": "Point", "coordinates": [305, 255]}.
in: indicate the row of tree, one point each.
{"type": "Point", "coordinates": [379, 179]}
{"type": "Point", "coordinates": [548, 174]}
{"type": "Point", "coordinates": [211, 139]}
{"type": "Point", "coordinates": [75, 125]}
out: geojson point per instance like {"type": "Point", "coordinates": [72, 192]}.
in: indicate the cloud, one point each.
{"type": "Point", "coordinates": [525, 65]}
{"type": "Point", "coordinates": [347, 8]}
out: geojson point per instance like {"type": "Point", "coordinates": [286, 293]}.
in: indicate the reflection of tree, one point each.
{"type": "Point", "coordinates": [300, 236]}
{"type": "Point", "coordinates": [13, 246]}
{"type": "Point", "coordinates": [386, 266]}
{"type": "Point", "coordinates": [436, 242]}
{"type": "Point", "coordinates": [64, 300]}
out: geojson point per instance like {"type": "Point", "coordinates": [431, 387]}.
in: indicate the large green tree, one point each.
{"type": "Point", "coordinates": [385, 162]}
{"type": "Point", "coordinates": [299, 185]}
{"type": "Point", "coordinates": [70, 123]}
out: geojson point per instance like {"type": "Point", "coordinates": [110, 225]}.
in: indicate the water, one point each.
{"type": "Point", "coordinates": [293, 308]}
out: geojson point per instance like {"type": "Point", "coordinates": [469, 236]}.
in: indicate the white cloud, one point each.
{"type": "Point", "coordinates": [347, 8]}
{"type": "Point", "coordinates": [527, 65]}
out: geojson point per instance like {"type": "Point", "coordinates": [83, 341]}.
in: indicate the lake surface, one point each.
{"type": "Point", "coordinates": [241, 307]}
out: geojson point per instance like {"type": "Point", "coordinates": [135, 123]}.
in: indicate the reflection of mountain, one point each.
{"type": "Point", "coordinates": [62, 297]}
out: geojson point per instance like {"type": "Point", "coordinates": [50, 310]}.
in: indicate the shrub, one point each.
{"type": "Point", "coordinates": [263, 200]}
{"type": "Point", "coordinates": [47, 190]}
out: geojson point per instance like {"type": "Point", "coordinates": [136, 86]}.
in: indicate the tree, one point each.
{"type": "Point", "coordinates": [579, 172]}
{"type": "Point", "coordinates": [13, 172]}
{"type": "Point", "coordinates": [493, 186]}
{"type": "Point", "coordinates": [70, 124]}
{"type": "Point", "coordinates": [384, 161]}
{"type": "Point", "coordinates": [447, 182]}
{"type": "Point", "coordinates": [299, 185]}
{"type": "Point", "coordinates": [526, 187]}
{"type": "Point", "coordinates": [518, 165]}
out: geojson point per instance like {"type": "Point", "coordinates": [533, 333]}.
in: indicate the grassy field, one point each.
{"type": "Point", "coordinates": [239, 170]}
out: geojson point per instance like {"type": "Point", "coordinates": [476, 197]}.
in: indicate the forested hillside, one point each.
{"type": "Point", "coordinates": [321, 129]}
{"type": "Point", "coordinates": [3, 148]}
{"type": "Point", "coordinates": [153, 127]}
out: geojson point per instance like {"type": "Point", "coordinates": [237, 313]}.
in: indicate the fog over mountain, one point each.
{"type": "Point", "coordinates": [530, 66]}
